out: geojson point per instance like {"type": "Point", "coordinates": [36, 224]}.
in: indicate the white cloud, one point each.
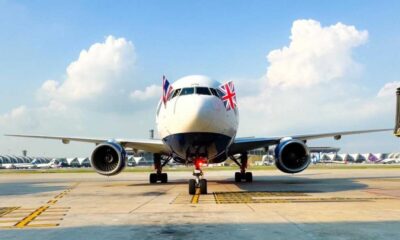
{"type": "Point", "coordinates": [150, 92]}
{"type": "Point", "coordinates": [19, 117]}
{"type": "Point", "coordinates": [95, 81]}
{"type": "Point", "coordinates": [15, 113]}
{"type": "Point", "coordinates": [99, 72]}
{"type": "Point", "coordinates": [389, 89]}
{"type": "Point", "coordinates": [301, 94]}
{"type": "Point", "coordinates": [315, 54]}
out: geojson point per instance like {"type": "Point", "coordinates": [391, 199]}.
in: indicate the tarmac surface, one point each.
{"type": "Point", "coordinates": [315, 204]}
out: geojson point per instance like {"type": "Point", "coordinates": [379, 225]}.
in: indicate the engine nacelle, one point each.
{"type": "Point", "coordinates": [108, 158]}
{"type": "Point", "coordinates": [292, 156]}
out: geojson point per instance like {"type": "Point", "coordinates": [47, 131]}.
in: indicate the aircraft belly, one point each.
{"type": "Point", "coordinates": [198, 144]}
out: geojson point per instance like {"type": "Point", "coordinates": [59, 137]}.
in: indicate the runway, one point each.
{"type": "Point", "coordinates": [315, 204]}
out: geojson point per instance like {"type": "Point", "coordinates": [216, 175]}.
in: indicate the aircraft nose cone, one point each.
{"type": "Point", "coordinates": [194, 113]}
{"type": "Point", "coordinates": [199, 115]}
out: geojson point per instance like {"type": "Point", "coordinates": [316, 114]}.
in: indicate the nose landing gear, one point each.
{"type": "Point", "coordinates": [242, 175]}
{"type": "Point", "coordinates": [199, 182]}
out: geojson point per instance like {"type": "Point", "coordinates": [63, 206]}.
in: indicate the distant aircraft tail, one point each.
{"type": "Point", "coordinates": [397, 124]}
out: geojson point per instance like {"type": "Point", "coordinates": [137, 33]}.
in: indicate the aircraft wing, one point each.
{"type": "Point", "coordinates": [246, 144]}
{"type": "Point", "coordinates": [149, 145]}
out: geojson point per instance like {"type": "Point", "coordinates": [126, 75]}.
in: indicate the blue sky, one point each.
{"type": "Point", "coordinates": [221, 39]}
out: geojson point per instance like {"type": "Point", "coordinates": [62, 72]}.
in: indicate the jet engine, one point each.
{"type": "Point", "coordinates": [292, 156]}
{"type": "Point", "coordinates": [108, 158]}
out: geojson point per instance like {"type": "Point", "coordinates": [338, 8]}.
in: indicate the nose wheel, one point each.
{"type": "Point", "coordinates": [195, 184]}
{"type": "Point", "coordinates": [199, 182]}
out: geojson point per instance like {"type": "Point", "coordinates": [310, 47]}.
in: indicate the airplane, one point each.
{"type": "Point", "coordinates": [197, 120]}
{"type": "Point", "coordinates": [390, 161]}
{"type": "Point", "coordinates": [31, 165]}
{"type": "Point", "coordinates": [54, 163]}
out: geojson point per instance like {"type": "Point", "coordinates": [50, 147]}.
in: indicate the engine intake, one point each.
{"type": "Point", "coordinates": [292, 156]}
{"type": "Point", "coordinates": [108, 158]}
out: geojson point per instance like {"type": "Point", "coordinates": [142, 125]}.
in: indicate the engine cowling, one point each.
{"type": "Point", "coordinates": [108, 158]}
{"type": "Point", "coordinates": [292, 156]}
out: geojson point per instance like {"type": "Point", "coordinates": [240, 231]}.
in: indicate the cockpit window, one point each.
{"type": "Point", "coordinates": [214, 92]}
{"type": "Point", "coordinates": [187, 91]}
{"type": "Point", "coordinates": [175, 93]}
{"type": "Point", "coordinates": [220, 93]}
{"type": "Point", "coordinates": [197, 90]}
{"type": "Point", "coordinates": [203, 91]}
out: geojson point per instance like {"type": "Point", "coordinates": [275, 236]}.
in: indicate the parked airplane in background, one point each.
{"type": "Point", "coordinates": [32, 165]}
{"type": "Point", "coordinates": [54, 163]}
{"type": "Point", "coordinates": [197, 120]}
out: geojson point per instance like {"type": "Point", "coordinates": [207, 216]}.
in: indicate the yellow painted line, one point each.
{"type": "Point", "coordinates": [43, 225]}
{"type": "Point", "coordinates": [43, 213]}
{"type": "Point", "coordinates": [13, 215]}
{"type": "Point", "coordinates": [51, 202]}
{"type": "Point", "coordinates": [53, 215]}
{"type": "Point", "coordinates": [216, 198]}
{"type": "Point", "coordinates": [7, 221]}
{"type": "Point", "coordinates": [47, 219]}
{"type": "Point", "coordinates": [21, 212]}
{"type": "Point", "coordinates": [5, 211]}
{"type": "Point", "coordinates": [196, 197]}
{"type": "Point", "coordinates": [56, 210]}
{"type": "Point", "coordinates": [24, 222]}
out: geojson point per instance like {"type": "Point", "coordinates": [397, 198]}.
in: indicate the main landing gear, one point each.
{"type": "Point", "coordinates": [199, 182]}
{"type": "Point", "coordinates": [242, 175]}
{"type": "Point", "coordinates": [159, 175]}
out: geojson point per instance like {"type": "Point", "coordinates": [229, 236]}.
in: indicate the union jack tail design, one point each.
{"type": "Point", "coordinates": [229, 95]}
{"type": "Point", "coordinates": [167, 90]}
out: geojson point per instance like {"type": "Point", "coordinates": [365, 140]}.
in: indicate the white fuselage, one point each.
{"type": "Point", "coordinates": [196, 118]}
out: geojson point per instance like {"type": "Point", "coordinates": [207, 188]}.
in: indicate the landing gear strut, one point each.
{"type": "Point", "coordinates": [242, 175]}
{"type": "Point", "coordinates": [159, 175]}
{"type": "Point", "coordinates": [199, 181]}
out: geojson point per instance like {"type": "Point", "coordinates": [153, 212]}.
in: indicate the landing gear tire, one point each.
{"type": "Point", "coordinates": [203, 186]}
{"type": "Point", "coordinates": [164, 177]}
{"type": "Point", "coordinates": [153, 177]}
{"type": "Point", "coordinates": [238, 177]}
{"type": "Point", "coordinates": [249, 177]}
{"type": "Point", "coordinates": [192, 186]}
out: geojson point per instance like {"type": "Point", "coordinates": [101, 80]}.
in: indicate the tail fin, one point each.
{"type": "Point", "coordinates": [397, 123]}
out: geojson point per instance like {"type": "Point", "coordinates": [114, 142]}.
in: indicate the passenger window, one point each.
{"type": "Point", "coordinates": [203, 91]}
{"type": "Point", "coordinates": [187, 91]}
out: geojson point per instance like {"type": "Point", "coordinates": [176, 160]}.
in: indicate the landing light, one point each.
{"type": "Point", "coordinates": [199, 162]}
